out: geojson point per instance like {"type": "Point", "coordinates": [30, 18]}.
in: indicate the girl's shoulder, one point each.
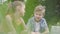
{"type": "Point", "coordinates": [8, 17]}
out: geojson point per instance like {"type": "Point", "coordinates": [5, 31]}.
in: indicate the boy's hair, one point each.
{"type": "Point", "coordinates": [39, 8]}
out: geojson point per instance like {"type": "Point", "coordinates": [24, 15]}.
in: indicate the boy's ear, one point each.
{"type": "Point", "coordinates": [43, 14]}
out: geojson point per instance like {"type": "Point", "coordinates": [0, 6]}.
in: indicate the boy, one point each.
{"type": "Point", "coordinates": [37, 24]}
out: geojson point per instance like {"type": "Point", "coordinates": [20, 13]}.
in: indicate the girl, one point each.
{"type": "Point", "coordinates": [14, 19]}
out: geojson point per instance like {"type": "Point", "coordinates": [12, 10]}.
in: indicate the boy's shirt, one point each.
{"type": "Point", "coordinates": [35, 27]}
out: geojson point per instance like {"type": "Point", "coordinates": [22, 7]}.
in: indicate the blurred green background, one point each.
{"type": "Point", "coordinates": [52, 10]}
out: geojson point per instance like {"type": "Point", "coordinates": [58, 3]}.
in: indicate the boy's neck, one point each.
{"type": "Point", "coordinates": [36, 20]}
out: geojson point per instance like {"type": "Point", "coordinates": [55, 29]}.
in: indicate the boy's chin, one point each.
{"type": "Point", "coordinates": [37, 20]}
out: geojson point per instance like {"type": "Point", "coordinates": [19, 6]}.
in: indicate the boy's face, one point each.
{"type": "Point", "coordinates": [38, 16]}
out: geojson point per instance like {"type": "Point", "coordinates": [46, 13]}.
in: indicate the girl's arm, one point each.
{"type": "Point", "coordinates": [10, 25]}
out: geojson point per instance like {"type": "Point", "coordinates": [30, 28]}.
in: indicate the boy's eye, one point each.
{"type": "Point", "coordinates": [39, 14]}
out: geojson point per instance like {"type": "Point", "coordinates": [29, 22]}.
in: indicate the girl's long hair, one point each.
{"type": "Point", "coordinates": [12, 6]}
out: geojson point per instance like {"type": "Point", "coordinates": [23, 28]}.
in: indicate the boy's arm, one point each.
{"type": "Point", "coordinates": [46, 28]}
{"type": "Point", "coordinates": [29, 23]}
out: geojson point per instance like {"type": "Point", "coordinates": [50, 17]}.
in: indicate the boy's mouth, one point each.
{"type": "Point", "coordinates": [37, 19]}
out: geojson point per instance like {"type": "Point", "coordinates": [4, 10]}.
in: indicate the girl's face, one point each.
{"type": "Point", "coordinates": [21, 10]}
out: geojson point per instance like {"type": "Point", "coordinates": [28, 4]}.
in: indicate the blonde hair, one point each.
{"type": "Point", "coordinates": [12, 6]}
{"type": "Point", "coordinates": [39, 8]}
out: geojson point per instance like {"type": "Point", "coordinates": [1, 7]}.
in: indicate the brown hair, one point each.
{"type": "Point", "coordinates": [12, 6]}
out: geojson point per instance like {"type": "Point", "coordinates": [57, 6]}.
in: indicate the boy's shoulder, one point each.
{"type": "Point", "coordinates": [43, 19]}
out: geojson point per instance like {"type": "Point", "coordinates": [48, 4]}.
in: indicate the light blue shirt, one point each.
{"type": "Point", "coordinates": [32, 25]}
{"type": "Point", "coordinates": [37, 26]}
